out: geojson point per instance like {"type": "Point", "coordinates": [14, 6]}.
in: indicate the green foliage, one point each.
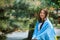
{"type": "Point", "coordinates": [6, 3]}
{"type": "Point", "coordinates": [20, 13]}
{"type": "Point", "coordinates": [55, 15]}
{"type": "Point", "coordinates": [55, 3]}
{"type": "Point", "coordinates": [2, 37]}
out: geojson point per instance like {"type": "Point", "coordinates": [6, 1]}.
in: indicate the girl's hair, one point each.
{"type": "Point", "coordinates": [45, 12]}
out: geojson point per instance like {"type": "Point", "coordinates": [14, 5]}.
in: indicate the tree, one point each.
{"type": "Point", "coordinates": [18, 12]}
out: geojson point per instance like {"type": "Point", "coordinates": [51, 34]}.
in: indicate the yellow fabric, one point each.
{"type": "Point", "coordinates": [56, 37]}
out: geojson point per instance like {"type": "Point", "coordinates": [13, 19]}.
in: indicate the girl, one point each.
{"type": "Point", "coordinates": [44, 29]}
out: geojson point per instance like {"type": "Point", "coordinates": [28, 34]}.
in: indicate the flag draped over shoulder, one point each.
{"type": "Point", "coordinates": [46, 33]}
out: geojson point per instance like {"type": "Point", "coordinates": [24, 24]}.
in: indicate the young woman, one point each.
{"type": "Point", "coordinates": [44, 29]}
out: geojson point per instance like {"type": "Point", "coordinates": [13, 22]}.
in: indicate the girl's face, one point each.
{"type": "Point", "coordinates": [42, 14]}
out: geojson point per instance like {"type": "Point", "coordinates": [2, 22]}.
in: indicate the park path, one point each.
{"type": "Point", "coordinates": [22, 35]}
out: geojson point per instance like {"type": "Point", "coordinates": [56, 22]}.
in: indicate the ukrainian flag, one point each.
{"type": "Point", "coordinates": [46, 33]}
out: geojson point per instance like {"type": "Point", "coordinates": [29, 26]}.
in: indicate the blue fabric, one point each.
{"type": "Point", "coordinates": [46, 33]}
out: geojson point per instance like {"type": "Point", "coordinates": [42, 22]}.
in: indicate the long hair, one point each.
{"type": "Point", "coordinates": [45, 12]}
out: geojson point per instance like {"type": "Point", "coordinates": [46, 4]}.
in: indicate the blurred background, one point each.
{"type": "Point", "coordinates": [18, 17]}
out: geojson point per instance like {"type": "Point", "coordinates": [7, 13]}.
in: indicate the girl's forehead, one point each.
{"type": "Point", "coordinates": [42, 11]}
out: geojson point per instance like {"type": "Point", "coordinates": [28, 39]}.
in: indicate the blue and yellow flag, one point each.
{"type": "Point", "coordinates": [46, 33]}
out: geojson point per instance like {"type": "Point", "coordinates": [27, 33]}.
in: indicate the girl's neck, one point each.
{"type": "Point", "coordinates": [43, 19]}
